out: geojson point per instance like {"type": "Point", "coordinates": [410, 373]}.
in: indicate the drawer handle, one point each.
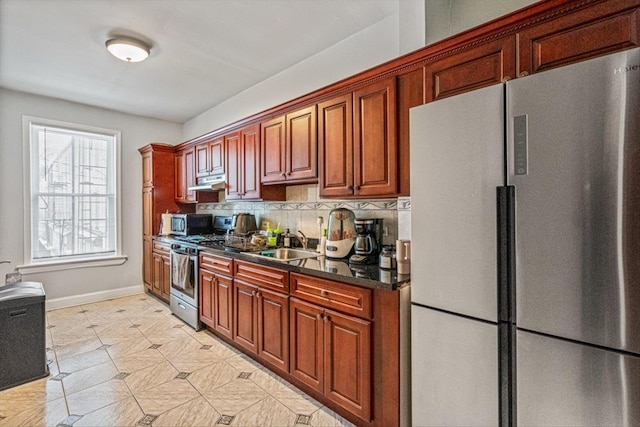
{"type": "Point", "coordinates": [18, 313]}
{"type": "Point", "coordinates": [324, 293]}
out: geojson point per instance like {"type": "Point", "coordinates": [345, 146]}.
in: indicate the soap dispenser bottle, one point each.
{"type": "Point", "coordinates": [286, 239]}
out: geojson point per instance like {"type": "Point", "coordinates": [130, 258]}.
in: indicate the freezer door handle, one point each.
{"type": "Point", "coordinates": [505, 196]}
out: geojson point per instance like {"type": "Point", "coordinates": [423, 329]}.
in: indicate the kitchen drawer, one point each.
{"type": "Point", "coordinates": [216, 263]}
{"type": "Point", "coordinates": [338, 296]}
{"type": "Point", "coordinates": [161, 248]}
{"type": "Point", "coordinates": [260, 275]}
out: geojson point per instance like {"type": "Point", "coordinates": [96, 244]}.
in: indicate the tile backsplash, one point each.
{"type": "Point", "coordinates": [303, 207]}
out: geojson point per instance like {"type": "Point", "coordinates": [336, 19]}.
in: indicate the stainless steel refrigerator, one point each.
{"type": "Point", "coordinates": [525, 230]}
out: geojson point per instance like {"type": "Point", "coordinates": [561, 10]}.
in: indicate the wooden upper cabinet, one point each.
{"type": "Point", "coordinates": [273, 150]}
{"type": "Point", "coordinates": [250, 140]}
{"type": "Point", "coordinates": [374, 140]}
{"type": "Point", "coordinates": [189, 174]}
{"type": "Point", "coordinates": [233, 166]}
{"type": "Point", "coordinates": [209, 157]}
{"type": "Point", "coordinates": [180, 185]}
{"type": "Point", "coordinates": [578, 36]}
{"type": "Point", "coordinates": [470, 69]}
{"type": "Point", "coordinates": [289, 148]}
{"type": "Point", "coordinates": [243, 164]}
{"type": "Point", "coordinates": [202, 159]}
{"type": "Point", "coordinates": [335, 146]}
{"type": "Point", "coordinates": [302, 145]}
{"type": "Point", "coordinates": [358, 143]}
{"type": "Point", "coordinates": [147, 170]}
{"type": "Point", "coordinates": [243, 167]}
{"type": "Point", "coordinates": [216, 156]}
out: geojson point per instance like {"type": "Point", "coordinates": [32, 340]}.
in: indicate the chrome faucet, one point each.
{"type": "Point", "coordinates": [302, 240]}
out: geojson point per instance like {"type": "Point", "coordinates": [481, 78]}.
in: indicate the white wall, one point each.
{"type": "Point", "coordinates": [136, 132]}
{"type": "Point", "coordinates": [366, 49]}
{"type": "Point", "coordinates": [445, 18]}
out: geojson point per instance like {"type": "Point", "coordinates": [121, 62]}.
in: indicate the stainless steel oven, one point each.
{"type": "Point", "coordinates": [184, 293]}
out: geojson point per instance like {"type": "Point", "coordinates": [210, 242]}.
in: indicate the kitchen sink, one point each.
{"type": "Point", "coordinates": [286, 254]}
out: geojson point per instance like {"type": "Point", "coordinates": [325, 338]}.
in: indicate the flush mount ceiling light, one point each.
{"type": "Point", "coordinates": [128, 49]}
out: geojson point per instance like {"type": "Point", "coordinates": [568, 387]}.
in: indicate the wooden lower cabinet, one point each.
{"type": "Point", "coordinates": [216, 293]}
{"type": "Point", "coordinates": [261, 323]}
{"type": "Point", "coordinates": [160, 271]}
{"type": "Point", "coordinates": [331, 352]}
{"type": "Point", "coordinates": [245, 315]}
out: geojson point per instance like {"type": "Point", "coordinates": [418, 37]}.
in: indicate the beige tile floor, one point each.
{"type": "Point", "coordinates": [129, 362]}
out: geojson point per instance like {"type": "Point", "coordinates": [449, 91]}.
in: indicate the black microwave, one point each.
{"type": "Point", "coordinates": [191, 224]}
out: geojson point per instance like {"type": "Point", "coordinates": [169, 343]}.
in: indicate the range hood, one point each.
{"type": "Point", "coordinates": [210, 183]}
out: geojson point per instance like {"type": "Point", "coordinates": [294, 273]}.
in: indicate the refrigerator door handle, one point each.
{"type": "Point", "coordinates": [505, 201]}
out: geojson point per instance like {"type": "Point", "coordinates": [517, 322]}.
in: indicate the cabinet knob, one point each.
{"type": "Point", "coordinates": [284, 175]}
{"type": "Point", "coordinates": [258, 295]}
{"type": "Point", "coordinates": [323, 293]}
{"type": "Point", "coordinates": [356, 187]}
{"type": "Point", "coordinates": [326, 318]}
{"type": "Point", "coordinates": [318, 316]}
{"type": "Point", "coordinates": [253, 293]}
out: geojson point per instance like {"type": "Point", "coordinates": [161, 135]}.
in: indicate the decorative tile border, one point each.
{"type": "Point", "coordinates": [154, 346]}
{"type": "Point", "coordinates": [404, 203]}
{"type": "Point", "coordinates": [244, 375]}
{"type": "Point", "coordinates": [375, 204]}
{"type": "Point", "coordinates": [183, 375]}
{"type": "Point", "coordinates": [121, 376]}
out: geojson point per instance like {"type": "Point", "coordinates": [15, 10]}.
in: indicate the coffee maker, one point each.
{"type": "Point", "coordinates": [368, 241]}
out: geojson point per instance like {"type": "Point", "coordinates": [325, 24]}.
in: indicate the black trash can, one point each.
{"type": "Point", "coordinates": [23, 355]}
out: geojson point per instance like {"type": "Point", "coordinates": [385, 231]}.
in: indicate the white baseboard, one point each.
{"type": "Point", "coordinates": [56, 303]}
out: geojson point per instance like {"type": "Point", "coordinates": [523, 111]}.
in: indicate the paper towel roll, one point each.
{"type": "Point", "coordinates": [165, 224]}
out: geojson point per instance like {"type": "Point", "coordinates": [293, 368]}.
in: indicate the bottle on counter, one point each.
{"type": "Point", "coordinates": [278, 233]}
{"type": "Point", "coordinates": [323, 242]}
{"type": "Point", "coordinates": [286, 240]}
{"type": "Point", "coordinates": [271, 236]}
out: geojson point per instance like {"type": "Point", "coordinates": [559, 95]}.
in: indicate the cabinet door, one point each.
{"type": "Point", "coordinates": [245, 315]}
{"type": "Point", "coordinates": [180, 186]}
{"type": "Point", "coordinates": [335, 146]}
{"type": "Point", "coordinates": [568, 39]}
{"type": "Point", "coordinates": [347, 359]}
{"type": "Point", "coordinates": [147, 170]}
{"type": "Point", "coordinates": [374, 141]}
{"type": "Point", "coordinates": [147, 212]}
{"type": "Point", "coordinates": [273, 328]}
{"type": "Point", "coordinates": [147, 261]}
{"type": "Point", "coordinates": [156, 282]}
{"type": "Point", "coordinates": [251, 166]}
{"type": "Point", "coordinates": [190, 174]}
{"type": "Point", "coordinates": [302, 145]}
{"type": "Point", "coordinates": [470, 69]}
{"type": "Point", "coordinates": [223, 305]}
{"type": "Point", "coordinates": [273, 150]}
{"type": "Point", "coordinates": [202, 159]}
{"type": "Point", "coordinates": [216, 156]}
{"type": "Point", "coordinates": [166, 277]}
{"type": "Point", "coordinates": [233, 166]}
{"type": "Point", "coordinates": [207, 297]}
{"type": "Point", "coordinates": [307, 343]}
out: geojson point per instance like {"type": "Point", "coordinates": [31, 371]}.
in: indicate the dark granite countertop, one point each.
{"type": "Point", "coordinates": [367, 276]}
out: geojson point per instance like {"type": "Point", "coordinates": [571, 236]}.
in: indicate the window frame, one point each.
{"type": "Point", "coordinates": [72, 261]}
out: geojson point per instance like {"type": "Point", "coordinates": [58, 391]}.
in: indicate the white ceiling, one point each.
{"type": "Point", "coordinates": [203, 51]}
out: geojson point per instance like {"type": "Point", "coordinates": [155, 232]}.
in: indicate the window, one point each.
{"type": "Point", "coordinates": [73, 191]}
